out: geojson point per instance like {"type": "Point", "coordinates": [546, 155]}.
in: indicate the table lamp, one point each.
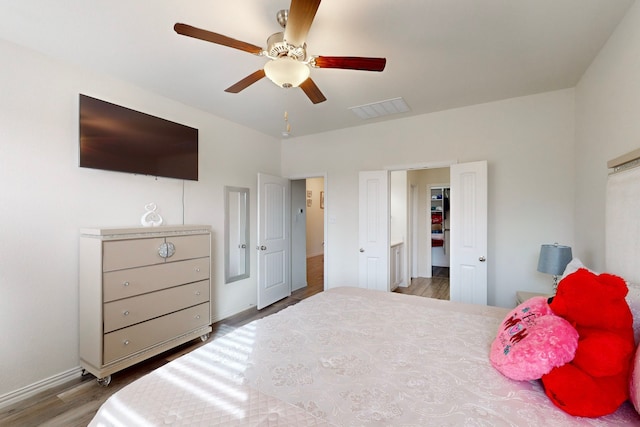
{"type": "Point", "coordinates": [553, 260]}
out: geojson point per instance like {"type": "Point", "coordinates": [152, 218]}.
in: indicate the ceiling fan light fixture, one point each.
{"type": "Point", "coordinates": [286, 72]}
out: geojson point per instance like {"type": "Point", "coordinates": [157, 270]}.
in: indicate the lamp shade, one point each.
{"type": "Point", "coordinates": [554, 259]}
{"type": "Point", "coordinates": [286, 72]}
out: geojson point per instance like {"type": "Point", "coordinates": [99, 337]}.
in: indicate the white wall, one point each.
{"type": "Point", "coordinates": [47, 198]}
{"type": "Point", "coordinates": [315, 218]}
{"type": "Point", "coordinates": [607, 126]}
{"type": "Point", "coordinates": [540, 185]}
{"type": "Point", "coordinates": [398, 205]}
{"type": "Point", "coordinates": [298, 234]}
{"type": "Point", "coordinates": [399, 191]}
{"type": "Point", "coordinates": [528, 143]}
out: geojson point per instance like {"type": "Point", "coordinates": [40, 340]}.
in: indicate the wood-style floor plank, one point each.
{"type": "Point", "coordinates": [76, 402]}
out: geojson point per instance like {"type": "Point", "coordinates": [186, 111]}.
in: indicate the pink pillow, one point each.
{"type": "Point", "coordinates": [532, 340]}
{"type": "Point", "coordinates": [634, 382]}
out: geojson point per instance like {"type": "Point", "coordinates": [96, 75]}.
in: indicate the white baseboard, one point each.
{"type": "Point", "coordinates": [38, 387]}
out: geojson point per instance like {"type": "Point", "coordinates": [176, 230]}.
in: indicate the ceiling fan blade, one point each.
{"type": "Point", "coordinates": [246, 82]}
{"type": "Point", "coordinates": [198, 33]}
{"type": "Point", "coordinates": [301, 14]}
{"type": "Point", "coordinates": [312, 91]}
{"type": "Point", "coordinates": [350, 63]}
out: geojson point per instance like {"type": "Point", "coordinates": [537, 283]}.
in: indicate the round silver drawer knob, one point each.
{"type": "Point", "coordinates": [166, 250]}
{"type": "Point", "coordinates": [126, 312]}
{"type": "Point", "coordinates": [197, 316]}
{"type": "Point", "coordinates": [197, 292]}
{"type": "Point", "coordinates": [125, 284]}
{"type": "Point", "coordinates": [197, 270]}
{"type": "Point", "coordinates": [126, 342]}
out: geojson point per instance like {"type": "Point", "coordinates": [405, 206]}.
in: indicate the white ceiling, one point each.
{"type": "Point", "coordinates": [441, 54]}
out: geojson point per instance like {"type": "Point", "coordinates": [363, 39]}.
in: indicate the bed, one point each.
{"type": "Point", "coordinates": [347, 357]}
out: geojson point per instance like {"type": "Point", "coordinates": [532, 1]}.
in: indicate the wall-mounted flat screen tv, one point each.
{"type": "Point", "coordinates": [119, 139]}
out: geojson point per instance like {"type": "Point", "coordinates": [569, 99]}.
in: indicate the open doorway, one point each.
{"type": "Point", "coordinates": [426, 221]}
{"type": "Point", "coordinates": [439, 196]}
{"type": "Point", "coordinates": [307, 234]}
{"type": "Point", "coordinates": [468, 183]}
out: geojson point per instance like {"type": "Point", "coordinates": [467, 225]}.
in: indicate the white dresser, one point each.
{"type": "Point", "coordinates": [142, 291]}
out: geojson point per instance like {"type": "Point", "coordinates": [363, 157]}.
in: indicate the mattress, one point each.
{"type": "Point", "coordinates": [346, 357]}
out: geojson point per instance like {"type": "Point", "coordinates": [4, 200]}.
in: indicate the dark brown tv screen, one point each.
{"type": "Point", "coordinates": [119, 139]}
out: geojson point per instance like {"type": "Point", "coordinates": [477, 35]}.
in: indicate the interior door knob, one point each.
{"type": "Point", "coordinates": [482, 259]}
{"type": "Point", "coordinates": [361, 249]}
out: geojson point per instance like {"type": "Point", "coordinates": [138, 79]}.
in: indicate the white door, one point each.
{"type": "Point", "coordinates": [274, 256]}
{"type": "Point", "coordinates": [374, 230]}
{"type": "Point", "coordinates": [468, 207]}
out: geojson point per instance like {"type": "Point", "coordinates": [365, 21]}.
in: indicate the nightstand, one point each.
{"type": "Point", "coordinates": [522, 296]}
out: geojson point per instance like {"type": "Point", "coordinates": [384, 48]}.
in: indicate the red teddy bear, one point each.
{"type": "Point", "coordinates": [596, 381]}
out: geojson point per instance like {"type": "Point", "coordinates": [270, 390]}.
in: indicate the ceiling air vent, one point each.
{"type": "Point", "coordinates": [379, 109]}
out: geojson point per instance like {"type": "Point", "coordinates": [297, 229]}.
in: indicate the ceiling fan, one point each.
{"type": "Point", "coordinates": [288, 64]}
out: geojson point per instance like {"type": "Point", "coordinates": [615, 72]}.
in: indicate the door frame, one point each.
{"type": "Point", "coordinates": [412, 232]}
{"type": "Point", "coordinates": [412, 251]}
{"type": "Point", "coordinates": [456, 279]}
{"type": "Point", "coordinates": [325, 218]}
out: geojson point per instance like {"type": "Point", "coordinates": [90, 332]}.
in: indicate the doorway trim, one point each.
{"type": "Point", "coordinates": [417, 166]}
{"type": "Point", "coordinates": [411, 256]}
{"type": "Point", "coordinates": [327, 206]}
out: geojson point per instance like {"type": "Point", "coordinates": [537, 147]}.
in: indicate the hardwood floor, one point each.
{"type": "Point", "coordinates": [76, 402]}
{"type": "Point", "coordinates": [435, 287]}
{"type": "Point", "coordinates": [315, 271]}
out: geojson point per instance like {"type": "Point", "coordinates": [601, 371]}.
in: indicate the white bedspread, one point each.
{"type": "Point", "coordinates": [346, 357]}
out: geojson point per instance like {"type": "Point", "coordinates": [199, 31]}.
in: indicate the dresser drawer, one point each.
{"type": "Point", "coordinates": [187, 247]}
{"type": "Point", "coordinates": [124, 342]}
{"type": "Point", "coordinates": [126, 312]}
{"type": "Point", "coordinates": [135, 281]}
{"type": "Point", "coordinates": [121, 254]}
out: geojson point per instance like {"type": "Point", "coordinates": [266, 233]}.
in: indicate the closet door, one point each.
{"type": "Point", "coordinates": [373, 232]}
{"type": "Point", "coordinates": [468, 272]}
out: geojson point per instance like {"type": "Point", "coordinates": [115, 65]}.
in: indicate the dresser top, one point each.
{"type": "Point", "coordinates": [164, 230]}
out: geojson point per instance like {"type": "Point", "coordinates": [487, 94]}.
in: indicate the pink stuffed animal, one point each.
{"type": "Point", "coordinates": [532, 341]}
